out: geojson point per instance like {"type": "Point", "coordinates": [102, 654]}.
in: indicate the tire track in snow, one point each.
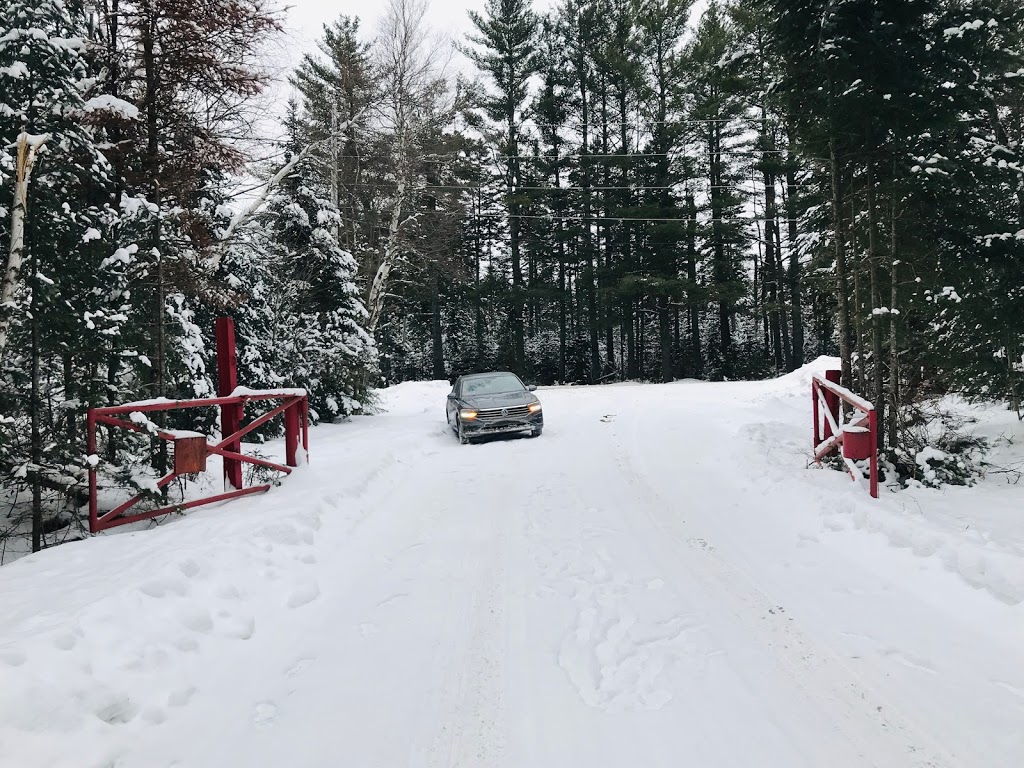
{"type": "Point", "coordinates": [626, 638]}
{"type": "Point", "coordinates": [878, 732]}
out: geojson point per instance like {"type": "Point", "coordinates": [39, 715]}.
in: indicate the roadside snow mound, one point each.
{"type": "Point", "coordinates": [798, 382]}
{"type": "Point", "coordinates": [976, 532]}
{"type": "Point", "coordinates": [411, 397]}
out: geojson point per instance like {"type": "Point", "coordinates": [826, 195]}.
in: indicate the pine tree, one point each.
{"type": "Point", "coordinates": [717, 109]}
{"type": "Point", "coordinates": [506, 40]}
{"type": "Point", "coordinates": [304, 322]}
{"type": "Point", "coordinates": [339, 84]}
{"type": "Point", "coordinates": [62, 302]}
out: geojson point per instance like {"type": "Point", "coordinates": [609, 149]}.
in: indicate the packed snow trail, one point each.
{"type": "Point", "coordinates": [656, 581]}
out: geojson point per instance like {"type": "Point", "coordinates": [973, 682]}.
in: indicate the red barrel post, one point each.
{"type": "Point", "coordinates": [857, 442]}
{"type": "Point", "coordinates": [227, 382]}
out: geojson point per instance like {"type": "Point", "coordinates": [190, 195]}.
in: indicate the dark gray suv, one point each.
{"type": "Point", "coordinates": [493, 404]}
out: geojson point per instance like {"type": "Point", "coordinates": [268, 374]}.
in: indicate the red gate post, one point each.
{"type": "Point", "coordinates": [832, 400]}
{"type": "Point", "coordinates": [305, 429]}
{"type": "Point", "coordinates": [91, 457]}
{"type": "Point", "coordinates": [291, 433]}
{"type": "Point", "coordinates": [817, 416]}
{"type": "Point", "coordinates": [227, 381]}
{"type": "Point", "coordinates": [873, 428]}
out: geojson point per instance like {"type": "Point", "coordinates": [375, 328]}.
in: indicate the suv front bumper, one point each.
{"type": "Point", "coordinates": [503, 426]}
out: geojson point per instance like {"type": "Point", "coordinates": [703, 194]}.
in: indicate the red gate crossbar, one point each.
{"type": "Point", "coordinates": [826, 394]}
{"type": "Point", "coordinates": [294, 407]}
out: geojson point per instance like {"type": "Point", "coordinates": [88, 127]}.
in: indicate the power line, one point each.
{"type": "Point", "coordinates": [681, 153]}
{"type": "Point", "coordinates": [698, 187]}
{"type": "Point", "coordinates": [593, 219]}
{"type": "Point", "coordinates": [618, 122]}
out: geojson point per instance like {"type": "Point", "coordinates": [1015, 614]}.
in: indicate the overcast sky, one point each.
{"type": "Point", "coordinates": [305, 19]}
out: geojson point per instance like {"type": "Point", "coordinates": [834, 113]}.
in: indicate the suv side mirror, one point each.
{"type": "Point", "coordinates": [532, 388]}
{"type": "Point", "coordinates": [451, 396]}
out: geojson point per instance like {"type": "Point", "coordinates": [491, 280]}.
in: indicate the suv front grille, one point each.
{"type": "Point", "coordinates": [495, 414]}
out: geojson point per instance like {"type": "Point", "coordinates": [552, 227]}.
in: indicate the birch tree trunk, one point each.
{"type": "Point", "coordinates": [379, 286]}
{"type": "Point", "coordinates": [414, 99]}
{"type": "Point", "coordinates": [28, 146]}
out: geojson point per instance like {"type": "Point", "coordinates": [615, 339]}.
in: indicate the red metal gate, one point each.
{"type": "Point", "coordinates": [856, 438]}
{"type": "Point", "coordinates": [191, 449]}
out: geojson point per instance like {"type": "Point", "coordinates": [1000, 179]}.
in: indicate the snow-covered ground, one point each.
{"type": "Point", "coordinates": [659, 580]}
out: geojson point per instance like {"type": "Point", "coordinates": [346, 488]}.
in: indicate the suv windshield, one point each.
{"type": "Point", "coordinates": [497, 384]}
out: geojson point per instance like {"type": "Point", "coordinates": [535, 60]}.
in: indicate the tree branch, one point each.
{"type": "Point", "coordinates": [246, 214]}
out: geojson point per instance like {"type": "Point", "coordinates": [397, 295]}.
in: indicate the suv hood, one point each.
{"type": "Point", "coordinates": [500, 401]}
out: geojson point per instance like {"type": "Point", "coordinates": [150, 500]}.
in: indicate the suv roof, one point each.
{"type": "Point", "coordinates": [488, 373]}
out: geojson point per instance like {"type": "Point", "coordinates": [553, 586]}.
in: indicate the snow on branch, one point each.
{"type": "Point", "coordinates": [247, 213]}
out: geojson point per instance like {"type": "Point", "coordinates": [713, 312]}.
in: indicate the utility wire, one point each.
{"type": "Point", "coordinates": [681, 153]}
{"type": "Point", "coordinates": [697, 187]}
{"type": "Point", "coordinates": [595, 218]}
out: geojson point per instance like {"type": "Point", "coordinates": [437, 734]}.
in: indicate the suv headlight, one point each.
{"type": "Point", "coordinates": [467, 414]}
{"type": "Point", "coordinates": [535, 407]}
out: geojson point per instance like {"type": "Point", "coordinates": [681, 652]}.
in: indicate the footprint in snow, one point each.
{"type": "Point", "coordinates": [180, 697]}
{"type": "Point", "coordinates": [196, 619]}
{"type": "Point", "coordinates": [239, 627]}
{"type": "Point", "coordinates": [12, 658]}
{"type": "Point", "coordinates": [227, 592]}
{"type": "Point", "coordinates": [186, 644]}
{"type": "Point", "coordinates": [299, 666]}
{"type": "Point", "coordinates": [264, 712]}
{"type": "Point", "coordinates": [304, 595]}
{"type": "Point", "coordinates": [163, 587]}
{"type": "Point", "coordinates": [117, 710]}
{"type": "Point", "coordinates": [154, 715]}
{"type": "Point", "coordinates": [65, 641]}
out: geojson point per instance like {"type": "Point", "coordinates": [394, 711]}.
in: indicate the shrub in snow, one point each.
{"type": "Point", "coordinates": [937, 449]}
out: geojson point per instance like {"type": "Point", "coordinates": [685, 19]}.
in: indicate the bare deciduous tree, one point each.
{"type": "Point", "coordinates": [416, 101]}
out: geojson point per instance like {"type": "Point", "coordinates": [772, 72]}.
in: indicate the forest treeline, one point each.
{"type": "Point", "coordinates": [632, 191]}
{"type": "Point", "coordinates": [607, 191]}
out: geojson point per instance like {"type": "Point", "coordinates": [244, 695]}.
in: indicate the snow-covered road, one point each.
{"type": "Point", "coordinates": [657, 581]}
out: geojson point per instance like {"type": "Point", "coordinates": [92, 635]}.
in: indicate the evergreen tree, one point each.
{"type": "Point", "coordinates": [304, 322]}
{"type": "Point", "coordinates": [506, 40]}
{"type": "Point", "coordinates": [63, 303]}
{"type": "Point", "coordinates": [717, 110]}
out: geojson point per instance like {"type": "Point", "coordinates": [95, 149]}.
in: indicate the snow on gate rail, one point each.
{"type": "Point", "coordinates": [857, 437]}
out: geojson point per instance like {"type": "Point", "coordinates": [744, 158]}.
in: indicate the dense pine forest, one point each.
{"type": "Point", "coordinates": [599, 192]}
